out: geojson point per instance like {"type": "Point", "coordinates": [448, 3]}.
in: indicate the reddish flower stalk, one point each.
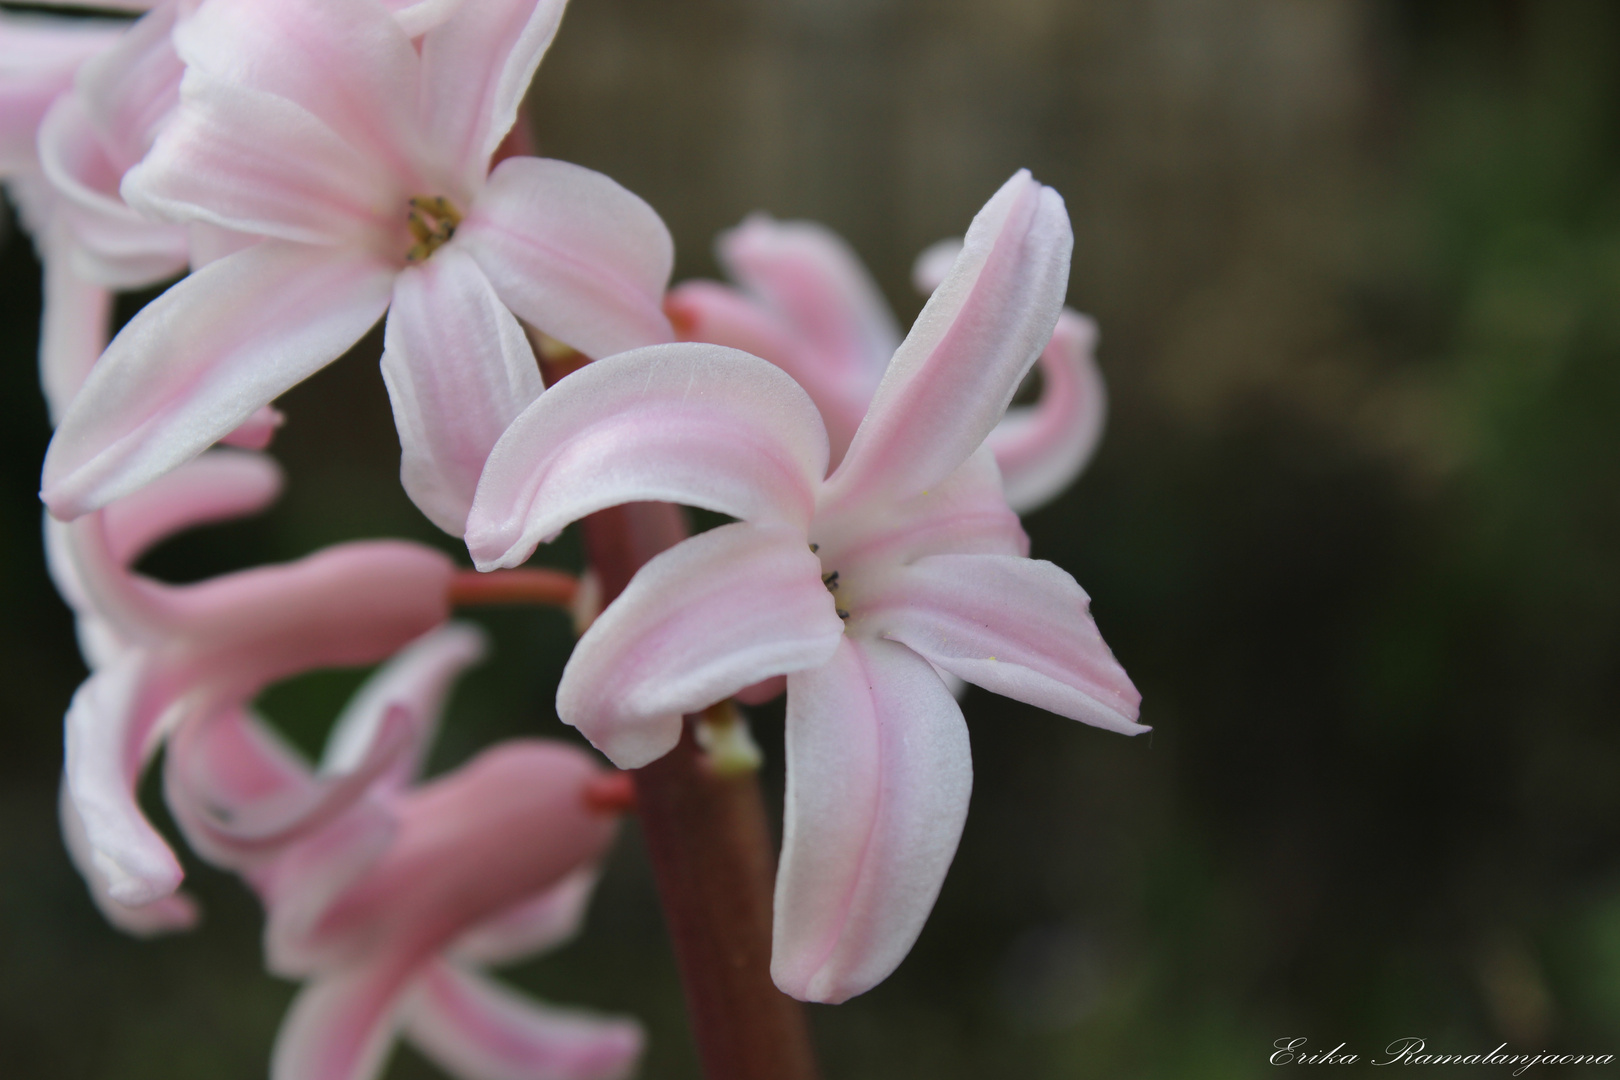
{"type": "Point", "coordinates": [522, 586]}
{"type": "Point", "coordinates": [711, 855]}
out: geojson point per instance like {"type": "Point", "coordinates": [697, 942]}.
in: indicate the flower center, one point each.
{"type": "Point", "coordinates": [432, 220]}
{"type": "Point", "coordinates": [830, 580]}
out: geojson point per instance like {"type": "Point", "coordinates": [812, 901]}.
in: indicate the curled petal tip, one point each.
{"type": "Point", "coordinates": [136, 882]}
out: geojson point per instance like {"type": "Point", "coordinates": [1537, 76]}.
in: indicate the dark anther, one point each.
{"type": "Point", "coordinates": [814, 548]}
{"type": "Point", "coordinates": [831, 581]}
{"type": "Point", "coordinates": [842, 614]}
{"type": "Point", "coordinates": [432, 220]}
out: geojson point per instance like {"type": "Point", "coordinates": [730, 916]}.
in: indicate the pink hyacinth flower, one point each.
{"type": "Point", "coordinates": [39, 57]}
{"type": "Point", "coordinates": [363, 158]}
{"type": "Point", "coordinates": [96, 243]}
{"type": "Point", "coordinates": [165, 654]}
{"type": "Point", "coordinates": [859, 586]}
{"type": "Point", "coordinates": [807, 304]}
{"type": "Point", "coordinates": [91, 242]}
{"type": "Point", "coordinates": [390, 895]}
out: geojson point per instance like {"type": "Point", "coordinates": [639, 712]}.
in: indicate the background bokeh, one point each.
{"type": "Point", "coordinates": [1354, 530]}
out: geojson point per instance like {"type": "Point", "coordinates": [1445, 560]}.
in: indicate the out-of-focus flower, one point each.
{"type": "Point", "coordinates": [390, 895]}
{"type": "Point", "coordinates": [857, 585]}
{"type": "Point", "coordinates": [39, 57]}
{"type": "Point", "coordinates": [363, 158]}
{"type": "Point", "coordinates": [807, 304]}
{"type": "Point", "coordinates": [163, 655]}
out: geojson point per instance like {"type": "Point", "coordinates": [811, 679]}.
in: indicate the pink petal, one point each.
{"type": "Point", "coordinates": [879, 774]}
{"type": "Point", "coordinates": [115, 246]}
{"type": "Point", "coordinates": [812, 277]}
{"type": "Point", "coordinates": [231, 760]}
{"type": "Point", "coordinates": [201, 358]}
{"type": "Point", "coordinates": [417, 17]}
{"type": "Point", "coordinates": [539, 923]}
{"type": "Point", "coordinates": [129, 90]}
{"type": "Point", "coordinates": [221, 766]}
{"type": "Point", "coordinates": [210, 243]}
{"type": "Point", "coordinates": [1018, 627]}
{"type": "Point", "coordinates": [73, 328]}
{"type": "Point", "coordinates": [762, 691]}
{"type": "Point", "coordinates": [167, 915]}
{"type": "Point", "coordinates": [257, 431]}
{"type": "Point", "coordinates": [135, 611]}
{"type": "Point", "coordinates": [459, 370]}
{"type": "Point", "coordinates": [346, 62]}
{"type": "Point", "coordinates": [112, 728]}
{"type": "Point", "coordinates": [251, 161]}
{"type": "Point", "coordinates": [965, 512]}
{"type": "Point", "coordinates": [38, 58]}
{"type": "Point", "coordinates": [476, 67]}
{"type": "Point", "coordinates": [477, 1029]}
{"type": "Point", "coordinates": [221, 485]}
{"type": "Point", "coordinates": [1042, 448]}
{"type": "Point", "coordinates": [300, 887]}
{"type": "Point", "coordinates": [707, 311]}
{"type": "Point", "coordinates": [979, 333]}
{"type": "Point", "coordinates": [694, 424]}
{"type": "Point", "coordinates": [234, 819]}
{"type": "Point", "coordinates": [342, 1026]}
{"type": "Point", "coordinates": [572, 253]}
{"type": "Point", "coordinates": [352, 604]}
{"type": "Point", "coordinates": [420, 677]}
{"type": "Point", "coordinates": [61, 565]}
{"type": "Point", "coordinates": [511, 823]}
{"type": "Point", "coordinates": [348, 605]}
{"type": "Point", "coordinates": [706, 618]}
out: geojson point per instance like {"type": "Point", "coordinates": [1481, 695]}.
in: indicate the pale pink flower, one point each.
{"type": "Point", "coordinates": [97, 132]}
{"type": "Point", "coordinates": [390, 895]}
{"type": "Point", "coordinates": [89, 138]}
{"type": "Point", "coordinates": [364, 159]}
{"type": "Point", "coordinates": [39, 57]}
{"type": "Point", "coordinates": [163, 655]}
{"type": "Point", "coordinates": [76, 113]}
{"type": "Point", "coordinates": [857, 585]}
{"type": "Point", "coordinates": [806, 304]}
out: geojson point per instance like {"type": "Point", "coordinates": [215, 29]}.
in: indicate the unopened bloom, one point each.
{"type": "Point", "coordinates": [390, 895]}
{"type": "Point", "coordinates": [857, 585]}
{"type": "Point", "coordinates": [363, 159]}
{"type": "Point", "coordinates": [806, 304]}
{"type": "Point", "coordinates": [164, 654]}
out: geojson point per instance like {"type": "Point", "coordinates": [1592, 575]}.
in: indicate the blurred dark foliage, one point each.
{"type": "Point", "coordinates": [1354, 530]}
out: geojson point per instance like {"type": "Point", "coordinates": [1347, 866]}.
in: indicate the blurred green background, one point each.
{"type": "Point", "coordinates": [1354, 530]}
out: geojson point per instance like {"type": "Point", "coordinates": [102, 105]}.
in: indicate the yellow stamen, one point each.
{"type": "Point", "coordinates": [432, 220]}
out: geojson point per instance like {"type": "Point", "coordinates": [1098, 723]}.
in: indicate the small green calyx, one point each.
{"type": "Point", "coordinates": [432, 220]}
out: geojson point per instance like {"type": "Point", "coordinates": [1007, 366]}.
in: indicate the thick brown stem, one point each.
{"type": "Point", "coordinates": [712, 856]}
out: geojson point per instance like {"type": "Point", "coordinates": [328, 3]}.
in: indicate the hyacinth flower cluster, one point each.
{"type": "Point", "coordinates": [314, 166]}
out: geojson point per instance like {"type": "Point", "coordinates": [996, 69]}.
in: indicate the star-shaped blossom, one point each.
{"type": "Point", "coordinates": [362, 157]}
{"type": "Point", "coordinates": [390, 895]}
{"type": "Point", "coordinates": [859, 586]}
{"type": "Point", "coordinates": [163, 655]}
{"type": "Point", "coordinates": [805, 303]}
